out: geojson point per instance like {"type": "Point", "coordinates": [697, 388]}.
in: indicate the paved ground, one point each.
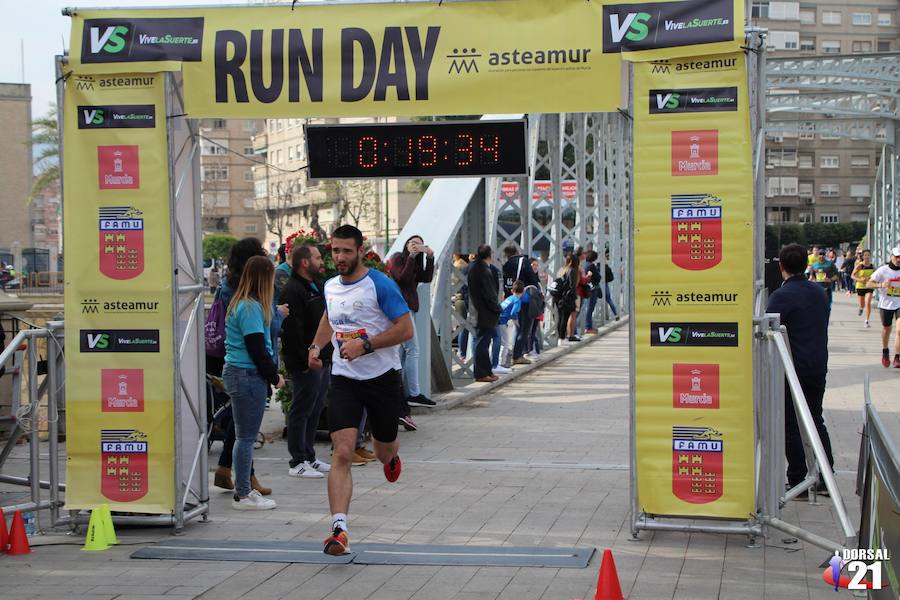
{"type": "Point", "coordinates": [540, 461]}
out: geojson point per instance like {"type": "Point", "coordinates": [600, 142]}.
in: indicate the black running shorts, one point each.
{"type": "Point", "coordinates": [381, 397]}
{"type": "Point", "coordinates": [887, 316]}
{"type": "Point", "coordinates": [864, 291]}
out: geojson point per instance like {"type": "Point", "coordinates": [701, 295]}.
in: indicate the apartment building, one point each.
{"type": "Point", "coordinates": [291, 200]}
{"type": "Point", "coordinates": [813, 175]}
{"type": "Point", "coordinates": [226, 162]}
{"type": "Point", "coordinates": [16, 228]}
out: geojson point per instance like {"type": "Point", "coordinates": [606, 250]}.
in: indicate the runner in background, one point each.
{"type": "Point", "coordinates": [847, 272]}
{"type": "Point", "coordinates": [887, 279]}
{"type": "Point", "coordinates": [822, 272]}
{"type": "Point", "coordinates": [860, 275]}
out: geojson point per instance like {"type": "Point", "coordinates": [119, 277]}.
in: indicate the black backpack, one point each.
{"type": "Point", "coordinates": [559, 288]}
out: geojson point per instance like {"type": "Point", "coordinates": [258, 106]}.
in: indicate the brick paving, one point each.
{"type": "Point", "coordinates": [539, 461]}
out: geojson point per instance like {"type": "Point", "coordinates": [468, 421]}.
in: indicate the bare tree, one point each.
{"type": "Point", "coordinates": [277, 207]}
{"type": "Point", "coordinates": [357, 200]}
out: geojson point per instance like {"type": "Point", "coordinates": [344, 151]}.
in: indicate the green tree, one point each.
{"type": "Point", "coordinates": [217, 246]}
{"type": "Point", "coordinates": [45, 135]}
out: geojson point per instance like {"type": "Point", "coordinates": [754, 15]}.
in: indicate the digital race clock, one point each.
{"type": "Point", "coordinates": [434, 149]}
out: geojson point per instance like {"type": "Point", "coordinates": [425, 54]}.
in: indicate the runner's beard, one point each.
{"type": "Point", "coordinates": [349, 266]}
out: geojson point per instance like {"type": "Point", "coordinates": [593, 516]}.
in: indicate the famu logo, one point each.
{"type": "Point", "coordinates": [138, 40]}
{"type": "Point", "coordinates": [722, 99]}
{"type": "Point", "coordinates": [647, 26]}
{"type": "Point", "coordinates": [117, 116]}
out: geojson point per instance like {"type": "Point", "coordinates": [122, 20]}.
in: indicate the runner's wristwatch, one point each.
{"type": "Point", "coordinates": [313, 347]}
{"type": "Point", "coordinates": [367, 346]}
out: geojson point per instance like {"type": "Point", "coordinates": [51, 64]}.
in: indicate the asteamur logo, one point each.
{"type": "Point", "coordinates": [136, 40]}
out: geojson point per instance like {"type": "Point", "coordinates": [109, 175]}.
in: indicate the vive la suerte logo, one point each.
{"type": "Point", "coordinates": [116, 116]}
{"type": "Point", "coordinates": [634, 27]}
{"type": "Point", "coordinates": [138, 40]}
{"type": "Point", "coordinates": [397, 67]}
{"type": "Point", "coordinates": [721, 99]}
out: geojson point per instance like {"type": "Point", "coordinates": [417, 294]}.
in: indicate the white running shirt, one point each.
{"type": "Point", "coordinates": [364, 309]}
{"type": "Point", "coordinates": [890, 297]}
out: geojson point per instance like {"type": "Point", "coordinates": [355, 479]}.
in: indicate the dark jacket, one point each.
{"type": "Point", "coordinates": [803, 307]}
{"type": "Point", "coordinates": [409, 271]}
{"type": "Point", "coordinates": [307, 305]}
{"type": "Point", "coordinates": [484, 294]}
{"type": "Point", "coordinates": [511, 272]}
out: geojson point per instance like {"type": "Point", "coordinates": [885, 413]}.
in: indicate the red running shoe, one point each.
{"type": "Point", "coordinates": [338, 543]}
{"type": "Point", "coordinates": [896, 363]}
{"type": "Point", "coordinates": [885, 361]}
{"type": "Point", "coordinates": [392, 469]}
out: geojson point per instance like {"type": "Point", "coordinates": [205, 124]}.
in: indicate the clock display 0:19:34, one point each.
{"type": "Point", "coordinates": [424, 151]}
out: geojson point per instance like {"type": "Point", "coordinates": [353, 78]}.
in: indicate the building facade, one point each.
{"type": "Point", "coordinates": [813, 176]}
{"type": "Point", "coordinates": [226, 162]}
{"type": "Point", "coordinates": [291, 200]}
{"type": "Point", "coordinates": [16, 223]}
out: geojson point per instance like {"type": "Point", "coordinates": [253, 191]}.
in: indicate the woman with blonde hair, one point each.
{"type": "Point", "coordinates": [249, 371]}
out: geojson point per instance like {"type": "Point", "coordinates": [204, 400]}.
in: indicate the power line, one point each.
{"type": "Point", "coordinates": [248, 159]}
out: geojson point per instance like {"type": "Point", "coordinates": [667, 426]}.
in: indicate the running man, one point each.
{"type": "Point", "coordinates": [861, 273]}
{"type": "Point", "coordinates": [366, 320]}
{"type": "Point", "coordinates": [887, 278]}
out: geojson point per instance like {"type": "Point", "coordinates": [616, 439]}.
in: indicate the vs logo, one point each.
{"type": "Point", "coordinates": [669, 335]}
{"type": "Point", "coordinates": [668, 101]}
{"type": "Point", "coordinates": [94, 116]}
{"type": "Point", "coordinates": [97, 341]}
{"type": "Point", "coordinates": [633, 27]}
{"type": "Point", "coordinates": [111, 40]}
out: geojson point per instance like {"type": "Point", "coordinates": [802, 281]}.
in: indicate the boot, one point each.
{"type": "Point", "coordinates": [256, 485]}
{"type": "Point", "coordinates": [222, 478]}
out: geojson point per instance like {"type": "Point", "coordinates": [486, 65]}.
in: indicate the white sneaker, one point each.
{"type": "Point", "coordinates": [501, 370]}
{"type": "Point", "coordinates": [253, 501]}
{"type": "Point", "coordinates": [320, 466]}
{"type": "Point", "coordinates": [867, 324]}
{"type": "Point", "coordinates": [305, 470]}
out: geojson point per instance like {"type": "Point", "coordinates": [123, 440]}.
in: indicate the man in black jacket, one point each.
{"type": "Point", "coordinates": [303, 295]}
{"type": "Point", "coordinates": [517, 266]}
{"type": "Point", "coordinates": [803, 307]}
{"type": "Point", "coordinates": [485, 301]}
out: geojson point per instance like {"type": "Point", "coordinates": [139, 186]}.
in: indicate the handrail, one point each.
{"type": "Point", "coordinates": [806, 421]}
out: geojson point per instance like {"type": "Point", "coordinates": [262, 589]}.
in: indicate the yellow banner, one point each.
{"type": "Point", "coordinates": [118, 295]}
{"type": "Point", "coordinates": [693, 265]}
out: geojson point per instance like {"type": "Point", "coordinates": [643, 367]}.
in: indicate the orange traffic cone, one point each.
{"type": "Point", "coordinates": [608, 580]}
{"type": "Point", "coordinates": [4, 534]}
{"type": "Point", "coordinates": [18, 541]}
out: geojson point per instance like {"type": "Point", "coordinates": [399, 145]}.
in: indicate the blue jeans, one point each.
{"type": "Point", "coordinates": [248, 403]}
{"type": "Point", "coordinates": [409, 359]}
{"type": "Point", "coordinates": [496, 344]}
{"type": "Point", "coordinates": [591, 305]}
{"type": "Point", "coordinates": [611, 302]}
{"type": "Point", "coordinates": [307, 400]}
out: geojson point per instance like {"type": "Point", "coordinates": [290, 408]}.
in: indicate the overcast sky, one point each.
{"type": "Point", "coordinates": [40, 25]}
